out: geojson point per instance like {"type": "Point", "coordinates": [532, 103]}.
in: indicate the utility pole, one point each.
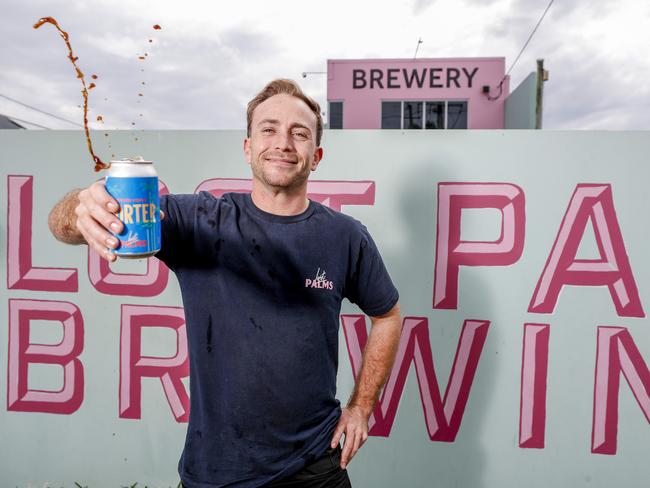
{"type": "Point", "coordinates": [542, 76]}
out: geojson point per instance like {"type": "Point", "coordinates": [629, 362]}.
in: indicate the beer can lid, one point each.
{"type": "Point", "coordinates": [132, 160]}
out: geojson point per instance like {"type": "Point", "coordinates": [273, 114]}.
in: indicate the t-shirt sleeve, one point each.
{"type": "Point", "coordinates": [177, 229]}
{"type": "Point", "coordinates": [368, 283]}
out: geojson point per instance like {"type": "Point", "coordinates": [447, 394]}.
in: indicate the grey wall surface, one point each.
{"type": "Point", "coordinates": [96, 447]}
{"type": "Point", "coordinates": [520, 105]}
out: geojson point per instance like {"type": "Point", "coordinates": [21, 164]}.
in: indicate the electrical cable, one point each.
{"type": "Point", "coordinates": [521, 52]}
{"type": "Point", "coordinates": [39, 110]}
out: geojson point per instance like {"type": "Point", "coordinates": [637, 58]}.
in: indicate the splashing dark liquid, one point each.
{"type": "Point", "coordinates": [99, 164]}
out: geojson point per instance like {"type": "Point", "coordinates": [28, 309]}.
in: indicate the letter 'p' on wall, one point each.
{"type": "Point", "coordinates": [452, 252]}
{"type": "Point", "coordinates": [22, 353]}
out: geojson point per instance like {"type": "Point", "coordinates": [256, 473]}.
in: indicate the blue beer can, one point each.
{"type": "Point", "coordinates": [133, 182]}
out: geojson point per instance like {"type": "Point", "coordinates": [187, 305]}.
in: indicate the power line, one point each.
{"type": "Point", "coordinates": [26, 122]}
{"type": "Point", "coordinates": [530, 36]}
{"type": "Point", "coordinates": [39, 110]}
{"type": "Point", "coordinates": [520, 52]}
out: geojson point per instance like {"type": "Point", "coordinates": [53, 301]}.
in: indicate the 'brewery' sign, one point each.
{"type": "Point", "coordinates": [413, 77]}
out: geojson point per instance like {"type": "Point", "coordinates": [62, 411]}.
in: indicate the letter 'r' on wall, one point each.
{"type": "Point", "coordinates": [332, 194]}
{"type": "Point", "coordinates": [150, 284]}
{"type": "Point", "coordinates": [534, 367]}
{"type": "Point", "coordinates": [442, 416]}
{"type": "Point", "coordinates": [613, 269]}
{"type": "Point", "coordinates": [616, 353]}
{"type": "Point", "coordinates": [21, 275]}
{"type": "Point", "coordinates": [22, 353]}
{"type": "Point", "coordinates": [134, 367]}
{"type": "Point", "coordinates": [452, 252]}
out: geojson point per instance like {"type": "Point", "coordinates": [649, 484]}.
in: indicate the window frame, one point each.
{"type": "Point", "coordinates": [423, 101]}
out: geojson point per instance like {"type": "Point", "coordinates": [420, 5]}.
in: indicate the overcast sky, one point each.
{"type": "Point", "coordinates": [211, 57]}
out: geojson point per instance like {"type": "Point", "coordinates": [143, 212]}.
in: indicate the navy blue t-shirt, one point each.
{"type": "Point", "coordinates": [262, 295]}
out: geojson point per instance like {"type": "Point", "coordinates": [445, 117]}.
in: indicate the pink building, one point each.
{"type": "Point", "coordinates": [443, 93]}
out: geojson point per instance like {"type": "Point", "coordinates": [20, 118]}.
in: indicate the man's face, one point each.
{"type": "Point", "coordinates": [282, 145]}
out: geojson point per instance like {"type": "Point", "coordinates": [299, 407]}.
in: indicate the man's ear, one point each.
{"type": "Point", "coordinates": [247, 149]}
{"type": "Point", "coordinates": [318, 156]}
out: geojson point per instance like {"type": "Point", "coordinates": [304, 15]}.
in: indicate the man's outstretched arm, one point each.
{"type": "Point", "coordinates": [378, 358]}
{"type": "Point", "coordinates": [85, 217]}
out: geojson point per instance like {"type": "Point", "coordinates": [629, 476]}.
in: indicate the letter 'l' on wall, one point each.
{"type": "Point", "coordinates": [21, 274]}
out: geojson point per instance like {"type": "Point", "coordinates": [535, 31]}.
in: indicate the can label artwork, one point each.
{"type": "Point", "coordinates": [139, 212]}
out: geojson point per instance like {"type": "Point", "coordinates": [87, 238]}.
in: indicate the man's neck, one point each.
{"type": "Point", "coordinates": [280, 201]}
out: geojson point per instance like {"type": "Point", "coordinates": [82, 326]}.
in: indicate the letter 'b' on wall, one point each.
{"type": "Point", "coordinates": [22, 353]}
{"type": "Point", "coordinates": [452, 252]}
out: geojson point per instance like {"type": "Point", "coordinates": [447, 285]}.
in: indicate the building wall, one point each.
{"type": "Point", "coordinates": [362, 105]}
{"type": "Point", "coordinates": [515, 345]}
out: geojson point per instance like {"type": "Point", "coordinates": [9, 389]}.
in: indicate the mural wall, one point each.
{"type": "Point", "coordinates": [521, 260]}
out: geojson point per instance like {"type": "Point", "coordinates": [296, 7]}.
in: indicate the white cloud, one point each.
{"type": "Point", "coordinates": [211, 57]}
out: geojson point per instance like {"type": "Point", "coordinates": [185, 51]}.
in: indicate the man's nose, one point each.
{"type": "Point", "coordinates": [283, 141]}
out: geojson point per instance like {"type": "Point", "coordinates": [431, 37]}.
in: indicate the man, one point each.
{"type": "Point", "coordinates": [262, 278]}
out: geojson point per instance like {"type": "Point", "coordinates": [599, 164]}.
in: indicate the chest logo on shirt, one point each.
{"type": "Point", "coordinates": [320, 281]}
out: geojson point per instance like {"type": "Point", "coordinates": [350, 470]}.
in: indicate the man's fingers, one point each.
{"type": "Point", "coordinates": [347, 448]}
{"type": "Point", "coordinates": [162, 215]}
{"type": "Point", "coordinates": [100, 196]}
{"type": "Point", "coordinates": [337, 436]}
{"type": "Point", "coordinates": [100, 247]}
{"type": "Point", "coordinates": [107, 219]}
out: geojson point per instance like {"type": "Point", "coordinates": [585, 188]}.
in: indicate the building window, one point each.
{"type": "Point", "coordinates": [391, 115]}
{"type": "Point", "coordinates": [424, 114]}
{"type": "Point", "coordinates": [336, 115]}
{"type": "Point", "coordinates": [457, 115]}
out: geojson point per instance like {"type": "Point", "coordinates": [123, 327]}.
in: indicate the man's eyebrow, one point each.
{"type": "Point", "coordinates": [277, 122]}
{"type": "Point", "coordinates": [268, 121]}
{"type": "Point", "coordinates": [296, 124]}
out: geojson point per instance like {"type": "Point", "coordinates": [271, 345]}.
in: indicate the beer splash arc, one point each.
{"type": "Point", "coordinates": [99, 164]}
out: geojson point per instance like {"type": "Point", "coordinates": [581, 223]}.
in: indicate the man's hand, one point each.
{"type": "Point", "coordinates": [96, 217]}
{"type": "Point", "coordinates": [354, 424]}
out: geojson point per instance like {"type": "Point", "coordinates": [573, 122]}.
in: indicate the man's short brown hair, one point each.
{"type": "Point", "coordinates": [287, 87]}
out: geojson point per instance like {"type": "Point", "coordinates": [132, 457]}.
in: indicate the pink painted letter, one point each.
{"type": "Point", "coordinates": [21, 275]}
{"type": "Point", "coordinates": [452, 252]}
{"type": "Point", "coordinates": [22, 353]}
{"type": "Point", "coordinates": [150, 284]}
{"type": "Point", "coordinates": [616, 353]}
{"type": "Point", "coordinates": [612, 269]}
{"type": "Point", "coordinates": [443, 416]}
{"type": "Point", "coordinates": [134, 366]}
{"type": "Point", "coordinates": [534, 366]}
{"type": "Point", "coordinates": [332, 194]}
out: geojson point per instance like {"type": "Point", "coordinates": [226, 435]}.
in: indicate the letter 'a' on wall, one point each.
{"type": "Point", "coordinates": [589, 202]}
{"type": "Point", "coordinates": [452, 252]}
{"type": "Point", "coordinates": [21, 274]}
{"type": "Point", "coordinates": [134, 367]}
{"type": "Point", "coordinates": [149, 284]}
{"type": "Point", "coordinates": [22, 353]}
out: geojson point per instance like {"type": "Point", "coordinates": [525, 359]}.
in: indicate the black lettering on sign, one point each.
{"type": "Point", "coordinates": [470, 76]}
{"type": "Point", "coordinates": [433, 76]}
{"type": "Point", "coordinates": [452, 75]}
{"type": "Point", "coordinates": [392, 76]}
{"type": "Point", "coordinates": [358, 79]}
{"type": "Point", "coordinates": [414, 74]}
{"type": "Point", "coordinates": [376, 75]}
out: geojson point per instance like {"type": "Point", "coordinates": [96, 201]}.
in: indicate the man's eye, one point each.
{"type": "Point", "coordinates": [267, 129]}
{"type": "Point", "coordinates": [300, 134]}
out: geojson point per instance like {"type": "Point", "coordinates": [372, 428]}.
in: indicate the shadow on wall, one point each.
{"type": "Point", "coordinates": [417, 461]}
